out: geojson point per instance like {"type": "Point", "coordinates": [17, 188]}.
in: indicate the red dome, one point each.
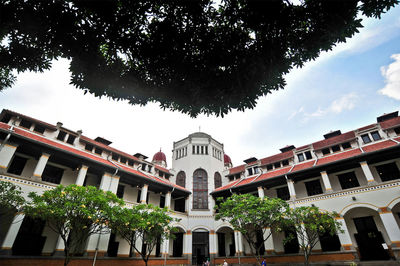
{"type": "Point", "coordinates": [159, 156]}
{"type": "Point", "coordinates": [227, 159]}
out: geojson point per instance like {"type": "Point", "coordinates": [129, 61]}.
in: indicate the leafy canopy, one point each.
{"type": "Point", "coordinates": [74, 212]}
{"type": "Point", "coordinates": [147, 223]}
{"type": "Point", "coordinates": [191, 56]}
{"type": "Point", "coordinates": [254, 217]}
{"type": "Point", "coordinates": [309, 223]}
{"type": "Point", "coordinates": [10, 198]}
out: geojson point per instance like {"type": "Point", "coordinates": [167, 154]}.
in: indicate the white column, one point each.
{"type": "Point", "coordinates": [143, 194]}
{"type": "Point", "coordinates": [391, 226]}
{"type": "Point", "coordinates": [123, 247]}
{"type": "Point", "coordinates": [326, 182]}
{"type": "Point", "coordinates": [80, 179]}
{"type": "Point", "coordinates": [238, 240]}
{"type": "Point", "coordinates": [105, 183]}
{"type": "Point", "coordinates": [11, 234]}
{"type": "Point", "coordinates": [188, 244]}
{"type": "Point", "coordinates": [168, 200]}
{"type": "Point", "coordinates": [165, 249]}
{"type": "Point", "coordinates": [6, 154]}
{"type": "Point", "coordinates": [292, 192]}
{"type": "Point", "coordinates": [260, 192]}
{"type": "Point", "coordinates": [114, 184]}
{"type": "Point", "coordinates": [367, 172]}
{"type": "Point", "coordinates": [344, 237]}
{"type": "Point", "coordinates": [269, 242]}
{"type": "Point", "coordinates": [187, 204]}
{"type": "Point", "coordinates": [59, 250]}
{"type": "Point", "coordinates": [41, 164]}
{"type": "Point", "coordinates": [213, 243]}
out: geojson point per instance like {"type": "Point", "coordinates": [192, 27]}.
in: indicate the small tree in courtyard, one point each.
{"type": "Point", "coordinates": [74, 212]}
{"type": "Point", "coordinates": [147, 223]}
{"type": "Point", "coordinates": [254, 217]}
{"type": "Point", "coordinates": [310, 223]}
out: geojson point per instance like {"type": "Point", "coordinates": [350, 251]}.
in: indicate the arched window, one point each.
{"type": "Point", "coordinates": [217, 180]}
{"type": "Point", "coordinates": [181, 179]}
{"type": "Point", "coordinates": [200, 189]}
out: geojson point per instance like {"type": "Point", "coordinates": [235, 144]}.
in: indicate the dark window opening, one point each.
{"type": "Point", "coordinates": [112, 249]}
{"type": "Point", "coordinates": [149, 168]}
{"type": "Point", "coordinates": [115, 156]}
{"type": "Point", "coordinates": [179, 205]}
{"type": "Point", "coordinates": [397, 130]}
{"type": "Point", "coordinates": [123, 160]}
{"type": "Point", "coordinates": [98, 150]}
{"type": "Point", "coordinates": [120, 191]}
{"type": "Point", "coordinates": [277, 165]}
{"type": "Point", "coordinates": [206, 150]}
{"type": "Point", "coordinates": [89, 147]}
{"type": "Point", "coordinates": [17, 165]}
{"type": "Point", "coordinates": [39, 129]}
{"type": "Point", "coordinates": [29, 240]}
{"type": "Point", "coordinates": [130, 162]}
{"type": "Point", "coordinates": [326, 151]}
{"type": "Point", "coordinates": [71, 139]}
{"type": "Point", "coordinates": [291, 246]}
{"type": "Point", "coordinates": [348, 180]}
{"type": "Point", "coordinates": [313, 187]}
{"type": "Point", "coordinates": [52, 174]}
{"type": "Point", "coordinates": [269, 167]}
{"type": "Point", "coordinates": [139, 195]}
{"type": "Point", "coordinates": [335, 148]}
{"type": "Point", "coordinates": [25, 123]}
{"type": "Point", "coordinates": [308, 155]}
{"type": "Point", "coordinates": [6, 118]}
{"type": "Point", "coordinates": [250, 171]}
{"type": "Point", "coordinates": [162, 201]}
{"type": "Point", "coordinates": [366, 138]}
{"type": "Point", "coordinates": [231, 178]}
{"type": "Point", "coordinates": [375, 135]}
{"type": "Point", "coordinates": [217, 180]}
{"type": "Point", "coordinates": [285, 162]}
{"type": "Point", "coordinates": [283, 193]}
{"type": "Point", "coordinates": [388, 171]}
{"type": "Point", "coordinates": [181, 179]}
{"type": "Point", "coordinates": [61, 135]}
{"type": "Point", "coordinates": [301, 157]}
{"type": "Point", "coordinates": [346, 145]}
{"type": "Point", "coordinates": [329, 242]}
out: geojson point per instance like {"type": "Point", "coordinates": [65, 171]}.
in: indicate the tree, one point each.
{"type": "Point", "coordinates": [74, 212]}
{"type": "Point", "coordinates": [254, 217]}
{"type": "Point", "coordinates": [191, 56]}
{"type": "Point", "coordinates": [11, 200]}
{"type": "Point", "coordinates": [147, 223]}
{"type": "Point", "coordinates": [309, 223]}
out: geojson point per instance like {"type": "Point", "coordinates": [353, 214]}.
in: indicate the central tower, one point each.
{"type": "Point", "coordinates": [198, 162]}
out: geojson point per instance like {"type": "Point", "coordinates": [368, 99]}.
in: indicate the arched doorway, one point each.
{"type": "Point", "coordinates": [177, 243]}
{"type": "Point", "coordinates": [368, 233]}
{"type": "Point", "coordinates": [225, 242]}
{"type": "Point", "coordinates": [200, 246]}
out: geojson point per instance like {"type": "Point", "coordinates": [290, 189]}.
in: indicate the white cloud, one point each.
{"type": "Point", "coordinates": [391, 73]}
{"type": "Point", "coordinates": [345, 103]}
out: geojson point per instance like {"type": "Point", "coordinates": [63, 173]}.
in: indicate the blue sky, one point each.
{"type": "Point", "coordinates": [344, 89]}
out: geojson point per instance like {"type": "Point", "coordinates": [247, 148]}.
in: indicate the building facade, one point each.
{"type": "Point", "coordinates": [355, 173]}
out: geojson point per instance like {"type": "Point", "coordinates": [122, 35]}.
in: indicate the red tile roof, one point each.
{"type": "Point", "coordinates": [302, 166]}
{"type": "Point", "coordinates": [379, 146]}
{"type": "Point", "coordinates": [367, 127]}
{"type": "Point", "coordinates": [229, 185]}
{"type": "Point", "coordinates": [237, 169]}
{"type": "Point", "coordinates": [302, 147]}
{"type": "Point", "coordinates": [162, 169]}
{"type": "Point", "coordinates": [339, 156]}
{"type": "Point", "coordinates": [334, 140]}
{"type": "Point", "coordinates": [278, 172]}
{"type": "Point", "coordinates": [391, 123]}
{"type": "Point", "coordinates": [36, 121]}
{"type": "Point", "coordinates": [277, 157]}
{"type": "Point", "coordinates": [87, 155]}
{"type": "Point", "coordinates": [108, 148]}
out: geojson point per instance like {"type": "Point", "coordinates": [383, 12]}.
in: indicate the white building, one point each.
{"type": "Point", "coordinates": [355, 174]}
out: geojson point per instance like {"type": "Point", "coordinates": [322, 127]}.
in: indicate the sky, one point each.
{"type": "Point", "coordinates": [345, 89]}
